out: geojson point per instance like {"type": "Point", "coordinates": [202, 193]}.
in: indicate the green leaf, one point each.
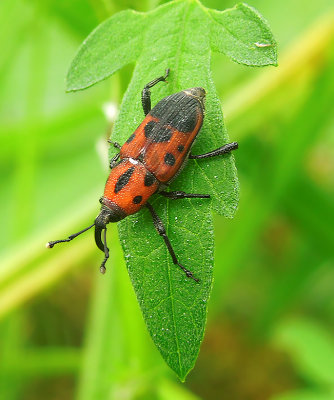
{"type": "Point", "coordinates": [240, 32]}
{"type": "Point", "coordinates": [174, 36]}
{"type": "Point", "coordinates": [243, 34]}
{"type": "Point", "coordinates": [109, 47]}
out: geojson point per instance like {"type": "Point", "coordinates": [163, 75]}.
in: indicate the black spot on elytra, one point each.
{"type": "Point", "coordinates": [180, 148]}
{"type": "Point", "coordinates": [123, 179]}
{"type": "Point", "coordinates": [149, 179]}
{"type": "Point", "coordinates": [131, 138]}
{"type": "Point", "coordinates": [156, 132]}
{"type": "Point", "coordinates": [148, 129]}
{"type": "Point", "coordinates": [179, 110]}
{"type": "Point", "coordinates": [137, 199]}
{"type": "Point", "coordinates": [169, 159]}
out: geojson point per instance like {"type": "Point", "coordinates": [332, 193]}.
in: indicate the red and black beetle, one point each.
{"type": "Point", "coordinates": [149, 160]}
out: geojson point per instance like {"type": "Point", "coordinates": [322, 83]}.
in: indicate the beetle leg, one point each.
{"type": "Point", "coordinates": [159, 226]}
{"type": "Point", "coordinates": [116, 157]}
{"type": "Point", "coordinates": [218, 152]}
{"type": "Point", "coordinates": [115, 144]}
{"type": "Point", "coordinates": [182, 195]}
{"type": "Point", "coordinates": [146, 93]}
{"type": "Point", "coordinates": [113, 161]}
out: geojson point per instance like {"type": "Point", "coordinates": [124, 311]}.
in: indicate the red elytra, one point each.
{"type": "Point", "coordinates": [149, 160]}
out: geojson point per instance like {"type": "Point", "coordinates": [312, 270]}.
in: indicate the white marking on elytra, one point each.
{"type": "Point", "coordinates": [132, 161]}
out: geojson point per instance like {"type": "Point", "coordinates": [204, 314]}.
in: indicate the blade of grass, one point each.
{"type": "Point", "coordinates": [315, 218]}
{"type": "Point", "coordinates": [43, 275]}
{"type": "Point", "coordinates": [26, 273]}
{"type": "Point", "coordinates": [16, 263]}
{"type": "Point", "coordinates": [51, 361]}
{"type": "Point", "coordinates": [10, 343]}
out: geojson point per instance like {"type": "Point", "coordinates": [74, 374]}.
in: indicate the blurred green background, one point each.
{"type": "Point", "coordinates": [68, 333]}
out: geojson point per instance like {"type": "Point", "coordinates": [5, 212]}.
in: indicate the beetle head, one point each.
{"type": "Point", "coordinates": [110, 212]}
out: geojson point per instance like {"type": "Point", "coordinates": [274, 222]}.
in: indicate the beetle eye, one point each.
{"type": "Point", "coordinates": [101, 200]}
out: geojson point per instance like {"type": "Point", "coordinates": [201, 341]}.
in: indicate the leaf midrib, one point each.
{"type": "Point", "coordinates": [171, 291]}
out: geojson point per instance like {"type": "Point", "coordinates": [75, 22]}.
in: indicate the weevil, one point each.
{"type": "Point", "coordinates": [149, 160]}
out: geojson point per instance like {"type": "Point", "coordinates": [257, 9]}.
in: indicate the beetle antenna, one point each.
{"type": "Point", "coordinates": [49, 245]}
{"type": "Point", "coordinates": [106, 252]}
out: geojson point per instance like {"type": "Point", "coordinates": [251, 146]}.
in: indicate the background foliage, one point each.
{"type": "Point", "coordinates": [65, 331]}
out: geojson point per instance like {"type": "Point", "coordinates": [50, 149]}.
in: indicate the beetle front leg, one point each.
{"type": "Point", "coordinates": [115, 144]}
{"type": "Point", "coordinates": [159, 226]}
{"type": "Point", "coordinates": [178, 194]}
{"type": "Point", "coordinates": [218, 152]}
{"type": "Point", "coordinates": [146, 93]}
{"type": "Point", "coordinates": [114, 160]}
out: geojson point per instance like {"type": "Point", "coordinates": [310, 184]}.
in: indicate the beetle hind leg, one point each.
{"type": "Point", "coordinates": [178, 194]}
{"type": "Point", "coordinates": [218, 152]}
{"type": "Point", "coordinates": [159, 226]}
{"type": "Point", "coordinates": [146, 93]}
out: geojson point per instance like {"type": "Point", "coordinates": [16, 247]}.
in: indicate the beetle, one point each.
{"type": "Point", "coordinates": [149, 160]}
